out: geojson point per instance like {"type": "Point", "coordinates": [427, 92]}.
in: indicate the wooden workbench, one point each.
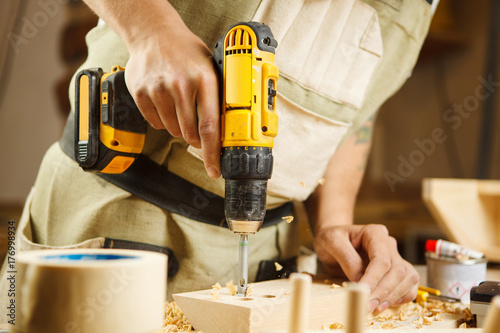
{"type": "Point", "coordinates": [267, 308]}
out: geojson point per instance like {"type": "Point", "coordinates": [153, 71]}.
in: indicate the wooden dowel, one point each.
{"type": "Point", "coordinates": [299, 306]}
{"type": "Point", "coordinates": [492, 320]}
{"type": "Point", "coordinates": [357, 307]}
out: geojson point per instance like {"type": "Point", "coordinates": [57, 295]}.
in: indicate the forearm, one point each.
{"type": "Point", "coordinates": [137, 21]}
{"type": "Point", "coordinates": [333, 202]}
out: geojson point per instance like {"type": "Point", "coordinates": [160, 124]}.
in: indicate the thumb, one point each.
{"type": "Point", "coordinates": [334, 245]}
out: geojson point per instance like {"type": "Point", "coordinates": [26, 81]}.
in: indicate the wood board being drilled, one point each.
{"type": "Point", "coordinates": [403, 330]}
{"type": "Point", "coordinates": [268, 307]}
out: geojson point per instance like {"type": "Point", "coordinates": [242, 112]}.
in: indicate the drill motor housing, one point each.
{"type": "Point", "coordinates": [244, 59]}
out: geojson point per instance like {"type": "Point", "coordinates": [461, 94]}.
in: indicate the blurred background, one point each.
{"type": "Point", "coordinates": [43, 42]}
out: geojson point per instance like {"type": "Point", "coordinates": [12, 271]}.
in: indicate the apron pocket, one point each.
{"type": "Point", "coordinates": [25, 235]}
{"type": "Point", "coordinates": [329, 47]}
{"type": "Point", "coordinates": [304, 145]}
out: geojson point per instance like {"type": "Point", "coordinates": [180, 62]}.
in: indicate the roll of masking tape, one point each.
{"type": "Point", "coordinates": [90, 290]}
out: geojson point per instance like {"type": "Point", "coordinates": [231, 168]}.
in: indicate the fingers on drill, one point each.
{"type": "Point", "coordinates": [209, 125]}
{"type": "Point", "coordinates": [188, 108]}
{"type": "Point", "coordinates": [148, 109]}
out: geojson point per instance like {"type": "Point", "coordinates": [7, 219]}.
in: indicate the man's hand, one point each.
{"type": "Point", "coordinates": [174, 84]}
{"type": "Point", "coordinates": [170, 73]}
{"type": "Point", "coordinates": [367, 254]}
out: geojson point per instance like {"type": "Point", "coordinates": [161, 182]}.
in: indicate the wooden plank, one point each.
{"type": "Point", "coordinates": [268, 307]}
{"type": "Point", "coordinates": [403, 330]}
{"type": "Point", "coordinates": [468, 212]}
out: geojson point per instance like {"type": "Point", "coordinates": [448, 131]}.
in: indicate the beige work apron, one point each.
{"type": "Point", "coordinates": [338, 60]}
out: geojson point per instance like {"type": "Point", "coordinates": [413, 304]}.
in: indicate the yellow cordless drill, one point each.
{"type": "Point", "coordinates": [110, 130]}
{"type": "Point", "coordinates": [244, 57]}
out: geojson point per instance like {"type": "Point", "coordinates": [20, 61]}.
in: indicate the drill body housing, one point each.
{"type": "Point", "coordinates": [244, 58]}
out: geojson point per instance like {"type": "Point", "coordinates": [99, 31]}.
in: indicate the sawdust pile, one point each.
{"type": "Point", "coordinates": [175, 321]}
{"type": "Point", "coordinates": [419, 315]}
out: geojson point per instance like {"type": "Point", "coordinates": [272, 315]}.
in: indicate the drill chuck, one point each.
{"type": "Point", "coordinates": [246, 171]}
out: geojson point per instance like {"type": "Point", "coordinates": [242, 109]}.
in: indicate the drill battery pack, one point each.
{"type": "Point", "coordinates": [110, 130]}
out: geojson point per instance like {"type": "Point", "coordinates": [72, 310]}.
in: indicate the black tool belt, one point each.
{"type": "Point", "coordinates": [155, 184]}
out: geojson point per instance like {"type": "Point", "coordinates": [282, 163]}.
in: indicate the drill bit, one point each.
{"type": "Point", "coordinates": [242, 265]}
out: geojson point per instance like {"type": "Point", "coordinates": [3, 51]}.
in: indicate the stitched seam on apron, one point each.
{"type": "Point", "coordinates": [410, 36]}
{"type": "Point", "coordinates": [318, 92]}
{"type": "Point", "coordinates": [315, 114]}
{"type": "Point", "coordinates": [396, 4]}
{"type": "Point", "coordinates": [257, 8]}
{"type": "Point", "coordinates": [366, 33]}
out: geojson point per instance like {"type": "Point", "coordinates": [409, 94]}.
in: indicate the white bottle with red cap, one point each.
{"type": "Point", "coordinates": [449, 249]}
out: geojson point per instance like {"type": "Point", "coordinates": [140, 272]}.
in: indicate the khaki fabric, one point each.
{"type": "Point", "coordinates": [69, 207]}
{"type": "Point", "coordinates": [403, 25]}
{"type": "Point", "coordinates": [328, 47]}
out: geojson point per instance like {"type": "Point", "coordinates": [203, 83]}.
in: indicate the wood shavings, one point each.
{"type": "Point", "coordinates": [303, 184]}
{"type": "Point", "coordinates": [231, 287]}
{"type": "Point", "coordinates": [278, 266]}
{"type": "Point", "coordinates": [389, 326]}
{"type": "Point", "coordinates": [419, 315]}
{"type": "Point", "coordinates": [321, 181]}
{"type": "Point", "coordinates": [385, 317]}
{"type": "Point", "coordinates": [249, 291]}
{"type": "Point", "coordinates": [418, 323]}
{"type": "Point", "coordinates": [427, 320]}
{"type": "Point", "coordinates": [175, 321]}
{"type": "Point", "coordinates": [463, 325]}
{"type": "Point", "coordinates": [333, 326]}
{"type": "Point", "coordinates": [335, 286]}
{"type": "Point", "coordinates": [288, 219]}
{"type": "Point", "coordinates": [215, 292]}
{"type": "Point", "coordinates": [467, 314]}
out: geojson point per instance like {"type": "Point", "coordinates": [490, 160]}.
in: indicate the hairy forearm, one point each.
{"type": "Point", "coordinates": [333, 202]}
